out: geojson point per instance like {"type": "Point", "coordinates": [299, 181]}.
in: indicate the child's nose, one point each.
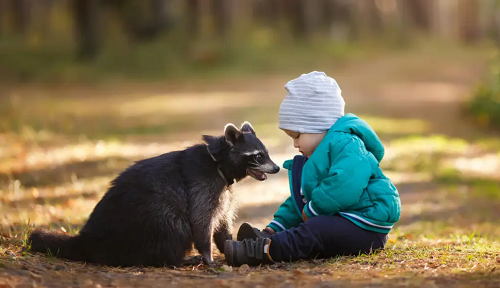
{"type": "Point", "coordinates": [295, 143]}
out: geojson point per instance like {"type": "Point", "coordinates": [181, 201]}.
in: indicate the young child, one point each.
{"type": "Point", "coordinates": [341, 202]}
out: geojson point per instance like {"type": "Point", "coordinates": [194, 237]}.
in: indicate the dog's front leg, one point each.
{"type": "Point", "coordinates": [220, 236]}
{"type": "Point", "coordinates": [203, 243]}
{"type": "Point", "coordinates": [202, 237]}
{"type": "Point", "coordinates": [224, 229]}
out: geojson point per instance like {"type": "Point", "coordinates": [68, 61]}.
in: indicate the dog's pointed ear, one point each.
{"type": "Point", "coordinates": [232, 134]}
{"type": "Point", "coordinates": [247, 128]}
{"type": "Point", "coordinates": [213, 144]}
{"type": "Point", "coordinates": [210, 140]}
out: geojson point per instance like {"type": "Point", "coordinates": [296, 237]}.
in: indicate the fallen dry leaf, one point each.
{"type": "Point", "coordinates": [244, 268]}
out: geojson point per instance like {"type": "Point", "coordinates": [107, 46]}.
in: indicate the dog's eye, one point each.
{"type": "Point", "coordinates": [257, 156]}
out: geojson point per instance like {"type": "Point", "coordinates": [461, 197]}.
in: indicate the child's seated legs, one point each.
{"type": "Point", "coordinates": [318, 237]}
{"type": "Point", "coordinates": [324, 237]}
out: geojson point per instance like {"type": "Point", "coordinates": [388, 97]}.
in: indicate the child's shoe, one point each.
{"type": "Point", "coordinates": [249, 251]}
{"type": "Point", "coordinates": [247, 231]}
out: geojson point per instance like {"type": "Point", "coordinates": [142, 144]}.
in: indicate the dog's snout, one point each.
{"type": "Point", "coordinates": [276, 168]}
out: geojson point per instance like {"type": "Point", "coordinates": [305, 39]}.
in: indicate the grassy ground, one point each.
{"type": "Point", "coordinates": [60, 147]}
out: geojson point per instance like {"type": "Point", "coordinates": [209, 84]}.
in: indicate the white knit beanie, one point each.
{"type": "Point", "coordinates": [313, 104]}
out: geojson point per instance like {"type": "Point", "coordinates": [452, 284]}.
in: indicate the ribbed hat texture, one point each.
{"type": "Point", "coordinates": [312, 105]}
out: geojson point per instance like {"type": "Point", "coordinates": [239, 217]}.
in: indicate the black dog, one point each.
{"type": "Point", "coordinates": [158, 207]}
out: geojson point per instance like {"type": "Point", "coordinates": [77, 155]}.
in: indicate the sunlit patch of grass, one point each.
{"type": "Point", "coordinates": [408, 261]}
{"type": "Point", "coordinates": [454, 176]}
{"type": "Point", "coordinates": [413, 253]}
{"type": "Point", "coordinates": [178, 104]}
{"type": "Point", "coordinates": [446, 225]}
{"type": "Point", "coordinates": [492, 143]}
{"type": "Point", "coordinates": [480, 187]}
{"type": "Point", "coordinates": [65, 207]}
{"type": "Point", "coordinates": [39, 121]}
{"type": "Point", "coordinates": [440, 156]}
{"type": "Point", "coordinates": [84, 151]}
{"type": "Point", "coordinates": [414, 162]}
{"type": "Point", "coordinates": [434, 143]}
{"type": "Point", "coordinates": [48, 118]}
{"type": "Point", "coordinates": [417, 153]}
{"type": "Point", "coordinates": [25, 233]}
{"type": "Point", "coordinates": [481, 165]}
{"type": "Point", "coordinates": [386, 125]}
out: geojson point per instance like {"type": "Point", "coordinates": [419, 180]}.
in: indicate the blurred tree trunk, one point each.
{"type": "Point", "coordinates": [297, 19]}
{"type": "Point", "coordinates": [41, 11]}
{"type": "Point", "coordinates": [21, 12]}
{"type": "Point", "coordinates": [356, 15]}
{"type": "Point", "coordinates": [193, 18]}
{"type": "Point", "coordinates": [221, 14]}
{"type": "Point", "coordinates": [446, 19]}
{"type": "Point", "coordinates": [489, 20]}
{"type": "Point", "coordinates": [326, 14]}
{"type": "Point", "coordinates": [312, 16]}
{"type": "Point", "coordinates": [420, 14]}
{"type": "Point", "coordinates": [145, 20]}
{"type": "Point", "coordinates": [340, 16]}
{"type": "Point", "coordinates": [403, 15]}
{"type": "Point", "coordinates": [495, 28]}
{"type": "Point", "coordinates": [2, 15]}
{"type": "Point", "coordinates": [161, 14]}
{"type": "Point", "coordinates": [469, 20]}
{"type": "Point", "coordinates": [374, 18]}
{"type": "Point", "coordinates": [86, 14]}
{"type": "Point", "coordinates": [265, 11]}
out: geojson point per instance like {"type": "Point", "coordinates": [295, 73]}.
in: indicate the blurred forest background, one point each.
{"type": "Point", "coordinates": [80, 40]}
{"type": "Point", "coordinates": [87, 87]}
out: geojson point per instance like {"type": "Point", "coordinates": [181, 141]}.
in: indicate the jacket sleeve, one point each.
{"type": "Point", "coordinates": [286, 217]}
{"type": "Point", "coordinates": [348, 176]}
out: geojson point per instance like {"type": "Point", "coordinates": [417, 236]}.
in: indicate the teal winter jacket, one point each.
{"type": "Point", "coordinates": [343, 176]}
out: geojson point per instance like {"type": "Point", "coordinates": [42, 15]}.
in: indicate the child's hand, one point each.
{"type": "Point", "coordinates": [269, 230]}
{"type": "Point", "coordinates": [304, 216]}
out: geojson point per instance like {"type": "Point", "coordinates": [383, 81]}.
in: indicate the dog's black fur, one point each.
{"type": "Point", "coordinates": [157, 208]}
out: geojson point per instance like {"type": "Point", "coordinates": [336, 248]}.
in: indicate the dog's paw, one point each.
{"type": "Point", "coordinates": [193, 260]}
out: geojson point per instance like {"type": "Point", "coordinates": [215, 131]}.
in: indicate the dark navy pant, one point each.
{"type": "Point", "coordinates": [321, 236]}
{"type": "Point", "coordinates": [324, 237]}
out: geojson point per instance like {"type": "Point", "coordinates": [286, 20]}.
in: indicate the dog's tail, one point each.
{"type": "Point", "coordinates": [57, 244]}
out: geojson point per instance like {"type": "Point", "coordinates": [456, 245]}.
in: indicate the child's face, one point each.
{"type": "Point", "coordinates": [305, 142]}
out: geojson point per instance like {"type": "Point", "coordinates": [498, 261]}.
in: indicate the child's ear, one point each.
{"type": "Point", "coordinates": [247, 128]}
{"type": "Point", "coordinates": [232, 134]}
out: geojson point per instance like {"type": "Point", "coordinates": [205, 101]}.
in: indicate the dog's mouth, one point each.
{"type": "Point", "coordinates": [257, 174]}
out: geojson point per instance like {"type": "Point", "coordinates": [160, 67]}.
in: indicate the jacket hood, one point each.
{"type": "Point", "coordinates": [351, 123]}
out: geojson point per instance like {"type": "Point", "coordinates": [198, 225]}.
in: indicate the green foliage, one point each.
{"type": "Point", "coordinates": [169, 57]}
{"type": "Point", "coordinates": [485, 105]}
